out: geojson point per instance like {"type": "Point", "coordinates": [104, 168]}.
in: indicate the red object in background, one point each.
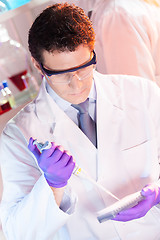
{"type": "Point", "coordinates": [5, 107]}
{"type": "Point", "coordinates": [20, 83]}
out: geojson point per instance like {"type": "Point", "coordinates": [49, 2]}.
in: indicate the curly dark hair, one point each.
{"type": "Point", "coordinates": [60, 27]}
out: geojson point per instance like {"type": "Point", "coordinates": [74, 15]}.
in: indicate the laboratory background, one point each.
{"type": "Point", "coordinates": [19, 80]}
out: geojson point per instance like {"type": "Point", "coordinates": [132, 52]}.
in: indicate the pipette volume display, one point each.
{"type": "Point", "coordinates": [42, 146]}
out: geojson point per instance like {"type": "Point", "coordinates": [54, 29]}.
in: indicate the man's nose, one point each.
{"type": "Point", "coordinates": [75, 81]}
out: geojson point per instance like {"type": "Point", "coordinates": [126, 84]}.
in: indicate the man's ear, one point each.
{"type": "Point", "coordinates": [36, 65]}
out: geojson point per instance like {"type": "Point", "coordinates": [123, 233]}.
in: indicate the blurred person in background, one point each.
{"type": "Point", "coordinates": [127, 36]}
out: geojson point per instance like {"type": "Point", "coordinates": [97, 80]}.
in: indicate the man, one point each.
{"type": "Point", "coordinates": [42, 199]}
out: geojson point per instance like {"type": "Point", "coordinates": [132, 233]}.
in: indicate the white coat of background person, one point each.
{"type": "Point", "coordinates": [127, 36]}
{"type": "Point", "coordinates": [125, 160]}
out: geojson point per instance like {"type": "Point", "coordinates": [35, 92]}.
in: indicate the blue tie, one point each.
{"type": "Point", "coordinates": [86, 123]}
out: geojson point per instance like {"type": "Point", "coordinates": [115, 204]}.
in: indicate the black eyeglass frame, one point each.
{"type": "Point", "coordinates": [49, 73]}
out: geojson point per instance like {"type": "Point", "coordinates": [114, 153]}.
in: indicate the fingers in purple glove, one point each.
{"type": "Point", "coordinates": [50, 157]}
{"type": "Point", "coordinates": [61, 176]}
{"type": "Point", "coordinates": [64, 158]}
{"type": "Point", "coordinates": [152, 193]}
{"type": "Point", "coordinates": [57, 154]}
{"type": "Point", "coordinates": [56, 163]}
{"type": "Point", "coordinates": [58, 173]}
{"type": "Point", "coordinates": [62, 162]}
{"type": "Point", "coordinates": [132, 213]}
{"type": "Point", "coordinates": [68, 167]}
{"type": "Point", "coordinates": [33, 148]}
{"type": "Point", "coordinates": [149, 190]}
{"type": "Point", "coordinates": [30, 145]}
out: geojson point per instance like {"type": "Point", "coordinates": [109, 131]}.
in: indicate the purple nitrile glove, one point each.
{"type": "Point", "coordinates": [152, 197]}
{"type": "Point", "coordinates": [56, 164]}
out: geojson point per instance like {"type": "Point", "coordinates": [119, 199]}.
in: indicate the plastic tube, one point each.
{"type": "Point", "coordinates": [79, 172]}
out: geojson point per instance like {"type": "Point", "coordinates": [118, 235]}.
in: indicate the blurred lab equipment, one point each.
{"type": "Point", "coordinates": [9, 94]}
{"type": "Point", "coordinates": [13, 60]}
{"type": "Point", "coordinates": [31, 83]}
{"type": "Point", "coordinates": [4, 103]}
{"type": "Point", "coordinates": [15, 4]}
{"type": "Point", "coordinates": [3, 7]}
{"type": "Point", "coordinates": [15, 67]}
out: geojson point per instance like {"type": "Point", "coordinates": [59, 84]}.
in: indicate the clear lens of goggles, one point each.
{"type": "Point", "coordinates": [67, 77]}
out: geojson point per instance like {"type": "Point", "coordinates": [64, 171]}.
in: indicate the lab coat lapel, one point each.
{"type": "Point", "coordinates": [110, 116]}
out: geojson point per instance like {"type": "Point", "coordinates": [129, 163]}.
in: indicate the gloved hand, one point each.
{"type": "Point", "coordinates": [56, 164]}
{"type": "Point", "coordinates": [152, 197]}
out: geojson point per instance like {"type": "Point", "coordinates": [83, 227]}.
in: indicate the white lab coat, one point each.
{"type": "Point", "coordinates": [127, 38]}
{"type": "Point", "coordinates": [127, 159]}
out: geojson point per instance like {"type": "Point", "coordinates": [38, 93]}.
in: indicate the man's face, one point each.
{"type": "Point", "coordinates": [77, 90]}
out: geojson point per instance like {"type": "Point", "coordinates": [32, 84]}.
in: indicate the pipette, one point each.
{"type": "Point", "coordinates": [77, 171]}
